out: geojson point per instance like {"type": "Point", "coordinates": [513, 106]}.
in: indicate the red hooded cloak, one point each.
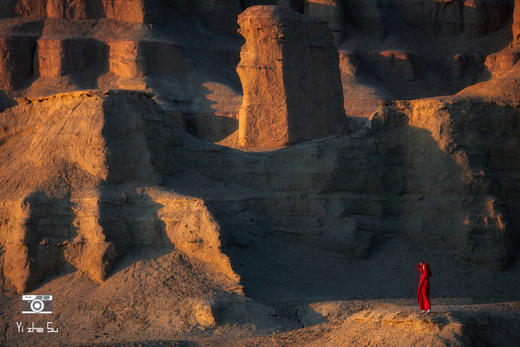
{"type": "Point", "coordinates": [423, 292]}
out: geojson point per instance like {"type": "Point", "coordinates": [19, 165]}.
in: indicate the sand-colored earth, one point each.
{"type": "Point", "coordinates": [142, 184]}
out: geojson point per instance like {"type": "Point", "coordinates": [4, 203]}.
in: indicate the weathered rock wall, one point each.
{"type": "Point", "coordinates": [365, 17]}
{"type": "Point", "coordinates": [516, 22]}
{"type": "Point", "coordinates": [473, 18]}
{"type": "Point", "coordinates": [60, 57]}
{"type": "Point", "coordinates": [79, 201]}
{"type": "Point", "coordinates": [330, 11]}
{"type": "Point", "coordinates": [438, 175]}
{"type": "Point", "coordinates": [292, 87]}
{"type": "Point", "coordinates": [433, 176]}
{"type": "Point", "coordinates": [467, 165]}
{"type": "Point", "coordinates": [16, 61]}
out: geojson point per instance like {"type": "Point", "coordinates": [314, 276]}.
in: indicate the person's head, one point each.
{"type": "Point", "coordinates": [426, 268]}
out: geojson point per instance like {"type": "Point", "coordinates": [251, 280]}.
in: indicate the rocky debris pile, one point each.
{"type": "Point", "coordinates": [290, 77]}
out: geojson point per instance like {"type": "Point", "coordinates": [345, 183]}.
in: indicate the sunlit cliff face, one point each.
{"type": "Point", "coordinates": [174, 170]}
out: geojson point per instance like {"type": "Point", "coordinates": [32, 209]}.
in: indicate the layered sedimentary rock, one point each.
{"type": "Point", "coordinates": [504, 63]}
{"type": "Point", "coordinates": [31, 8]}
{"type": "Point", "coordinates": [330, 11]}
{"type": "Point", "coordinates": [359, 100]}
{"type": "Point", "coordinates": [400, 64]}
{"type": "Point", "coordinates": [113, 187]}
{"type": "Point", "coordinates": [85, 201]}
{"type": "Point", "coordinates": [127, 11]}
{"type": "Point", "coordinates": [485, 230]}
{"type": "Point", "coordinates": [365, 17]}
{"type": "Point", "coordinates": [7, 8]}
{"type": "Point", "coordinates": [516, 22]}
{"type": "Point", "coordinates": [482, 17]}
{"type": "Point", "coordinates": [292, 87]}
{"type": "Point", "coordinates": [16, 56]}
{"type": "Point", "coordinates": [74, 9]}
{"type": "Point", "coordinates": [60, 57]}
{"type": "Point", "coordinates": [221, 15]}
{"type": "Point", "coordinates": [474, 18]}
{"type": "Point", "coordinates": [147, 57]}
{"type": "Point", "coordinates": [132, 11]}
{"type": "Point", "coordinates": [67, 9]}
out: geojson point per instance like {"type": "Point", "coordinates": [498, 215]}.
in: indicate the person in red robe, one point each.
{"type": "Point", "coordinates": [423, 292]}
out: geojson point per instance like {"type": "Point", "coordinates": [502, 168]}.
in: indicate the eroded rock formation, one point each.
{"type": "Point", "coordinates": [448, 18]}
{"type": "Point", "coordinates": [87, 220]}
{"type": "Point", "coordinates": [330, 11]}
{"type": "Point", "coordinates": [292, 87]}
{"type": "Point", "coordinates": [69, 56]}
{"type": "Point", "coordinates": [16, 55]}
{"type": "Point", "coordinates": [365, 16]}
{"type": "Point", "coordinates": [516, 22]}
{"type": "Point", "coordinates": [135, 198]}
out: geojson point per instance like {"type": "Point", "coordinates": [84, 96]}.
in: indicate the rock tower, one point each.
{"type": "Point", "coordinates": [291, 80]}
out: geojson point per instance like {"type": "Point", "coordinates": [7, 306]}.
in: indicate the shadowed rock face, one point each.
{"type": "Point", "coordinates": [454, 17]}
{"type": "Point", "coordinates": [292, 86]}
{"type": "Point", "coordinates": [110, 185]}
{"type": "Point", "coordinates": [16, 55]}
{"type": "Point", "coordinates": [365, 16]}
{"type": "Point", "coordinates": [330, 11]}
{"type": "Point", "coordinates": [516, 22]}
{"type": "Point", "coordinates": [54, 225]}
{"type": "Point", "coordinates": [70, 56]}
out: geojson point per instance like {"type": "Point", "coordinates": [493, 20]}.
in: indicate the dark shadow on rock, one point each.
{"type": "Point", "coordinates": [49, 230]}
{"type": "Point", "coordinates": [399, 75]}
{"type": "Point", "coordinates": [437, 67]}
{"type": "Point", "coordinates": [16, 65]}
{"type": "Point", "coordinates": [184, 67]}
{"type": "Point", "coordinates": [132, 226]}
{"type": "Point", "coordinates": [350, 217]}
{"type": "Point", "coordinates": [34, 27]}
{"type": "Point", "coordinates": [84, 60]}
{"type": "Point", "coordinates": [211, 127]}
{"type": "Point", "coordinates": [128, 217]}
{"type": "Point", "coordinates": [94, 9]}
{"type": "Point", "coordinates": [296, 5]}
{"type": "Point", "coordinates": [5, 101]}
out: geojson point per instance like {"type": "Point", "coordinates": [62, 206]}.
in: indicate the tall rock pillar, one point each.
{"type": "Point", "coordinates": [290, 75]}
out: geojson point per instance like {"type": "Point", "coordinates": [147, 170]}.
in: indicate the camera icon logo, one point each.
{"type": "Point", "coordinates": [37, 304]}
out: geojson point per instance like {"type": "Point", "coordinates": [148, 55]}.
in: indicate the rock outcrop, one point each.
{"type": "Point", "coordinates": [147, 57]}
{"type": "Point", "coordinates": [474, 18]}
{"type": "Point", "coordinates": [71, 56]}
{"type": "Point", "coordinates": [87, 204]}
{"type": "Point", "coordinates": [75, 9]}
{"type": "Point", "coordinates": [290, 77]}
{"type": "Point", "coordinates": [366, 18]}
{"type": "Point", "coordinates": [330, 11]}
{"type": "Point", "coordinates": [132, 11]}
{"type": "Point", "coordinates": [516, 22]}
{"type": "Point", "coordinates": [16, 61]}
{"type": "Point", "coordinates": [504, 63]}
